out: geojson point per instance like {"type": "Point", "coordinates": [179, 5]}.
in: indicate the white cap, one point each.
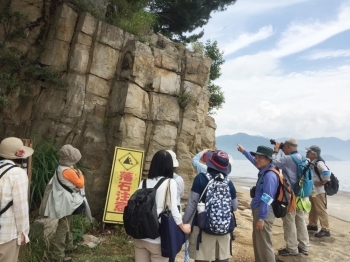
{"type": "Point", "coordinates": [173, 155]}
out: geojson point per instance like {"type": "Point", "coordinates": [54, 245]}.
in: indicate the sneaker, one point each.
{"type": "Point", "coordinates": [312, 228]}
{"type": "Point", "coordinates": [285, 252]}
{"type": "Point", "coordinates": [303, 251]}
{"type": "Point", "coordinates": [323, 233]}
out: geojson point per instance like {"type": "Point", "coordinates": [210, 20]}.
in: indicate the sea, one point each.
{"type": "Point", "coordinates": [245, 173]}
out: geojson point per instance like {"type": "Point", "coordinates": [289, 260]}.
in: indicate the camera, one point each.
{"type": "Point", "coordinates": [252, 192]}
{"type": "Point", "coordinates": [273, 142]}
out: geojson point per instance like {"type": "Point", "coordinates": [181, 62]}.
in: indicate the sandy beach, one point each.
{"type": "Point", "coordinates": [332, 248]}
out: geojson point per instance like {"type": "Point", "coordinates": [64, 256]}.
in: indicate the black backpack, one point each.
{"type": "Point", "coordinates": [332, 186]}
{"type": "Point", "coordinates": [140, 214]}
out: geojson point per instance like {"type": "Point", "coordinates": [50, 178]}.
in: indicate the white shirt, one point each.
{"type": "Point", "coordinates": [180, 189]}
{"type": "Point", "coordinates": [160, 197]}
{"type": "Point", "coordinates": [321, 166]}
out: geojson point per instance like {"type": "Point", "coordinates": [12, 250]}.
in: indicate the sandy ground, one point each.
{"type": "Point", "coordinates": [334, 248]}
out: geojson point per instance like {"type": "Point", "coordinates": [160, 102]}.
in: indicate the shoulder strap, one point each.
{"type": "Point", "coordinates": [316, 170]}
{"type": "Point", "coordinates": [3, 173]}
{"type": "Point", "coordinates": [159, 182]}
{"type": "Point", "coordinates": [295, 159]}
{"type": "Point", "coordinates": [205, 189]}
{"type": "Point", "coordinates": [64, 186]}
{"type": "Point", "coordinates": [263, 175]}
{"type": "Point", "coordinates": [11, 202]}
{"type": "Point", "coordinates": [6, 207]}
{"type": "Point", "coordinates": [144, 183]}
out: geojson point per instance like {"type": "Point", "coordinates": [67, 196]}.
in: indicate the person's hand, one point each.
{"type": "Point", "coordinates": [240, 148]}
{"type": "Point", "coordinates": [276, 147]}
{"type": "Point", "coordinates": [205, 150]}
{"type": "Point", "coordinates": [186, 228]}
{"type": "Point", "coordinates": [259, 225]}
{"type": "Point", "coordinates": [23, 240]}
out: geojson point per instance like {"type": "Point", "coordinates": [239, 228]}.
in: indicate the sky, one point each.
{"type": "Point", "coordinates": [287, 68]}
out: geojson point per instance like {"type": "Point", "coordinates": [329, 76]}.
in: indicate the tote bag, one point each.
{"type": "Point", "coordinates": [171, 236]}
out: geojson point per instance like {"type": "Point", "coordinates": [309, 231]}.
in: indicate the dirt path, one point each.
{"type": "Point", "coordinates": [334, 248]}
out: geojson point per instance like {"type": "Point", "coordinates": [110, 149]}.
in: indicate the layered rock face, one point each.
{"type": "Point", "coordinates": [121, 92]}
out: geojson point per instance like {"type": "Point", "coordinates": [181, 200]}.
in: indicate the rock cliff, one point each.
{"type": "Point", "coordinates": [120, 92]}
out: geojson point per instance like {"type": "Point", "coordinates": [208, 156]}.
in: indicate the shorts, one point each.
{"type": "Point", "coordinates": [212, 247]}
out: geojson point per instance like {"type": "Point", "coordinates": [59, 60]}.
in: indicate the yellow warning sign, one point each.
{"type": "Point", "coordinates": [125, 177]}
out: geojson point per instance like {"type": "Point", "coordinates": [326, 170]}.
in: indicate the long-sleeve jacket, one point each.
{"type": "Point", "coordinates": [15, 221]}
{"type": "Point", "coordinates": [267, 183]}
{"type": "Point", "coordinates": [198, 166]}
{"type": "Point", "coordinates": [62, 203]}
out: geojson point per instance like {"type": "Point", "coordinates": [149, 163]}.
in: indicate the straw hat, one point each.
{"type": "Point", "coordinates": [13, 148]}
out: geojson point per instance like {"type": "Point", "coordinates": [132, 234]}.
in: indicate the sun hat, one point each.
{"type": "Point", "coordinates": [69, 155]}
{"type": "Point", "coordinates": [263, 151]}
{"type": "Point", "coordinates": [219, 161]}
{"type": "Point", "coordinates": [314, 149]}
{"type": "Point", "coordinates": [173, 155]}
{"type": "Point", "coordinates": [13, 148]}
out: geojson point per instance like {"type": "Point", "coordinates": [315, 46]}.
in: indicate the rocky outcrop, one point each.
{"type": "Point", "coordinates": [120, 92]}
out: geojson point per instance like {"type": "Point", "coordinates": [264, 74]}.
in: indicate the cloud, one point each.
{"type": "Point", "coordinates": [246, 39]}
{"type": "Point", "coordinates": [302, 105]}
{"type": "Point", "coordinates": [303, 35]}
{"type": "Point", "coordinates": [250, 7]}
{"type": "Point", "coordinates": [250, 65]}
{"type": "Point", "coordinates": [327, 54]}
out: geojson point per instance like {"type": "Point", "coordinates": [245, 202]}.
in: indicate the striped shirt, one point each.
{"type": "Point", "coordinates": [15, 221]}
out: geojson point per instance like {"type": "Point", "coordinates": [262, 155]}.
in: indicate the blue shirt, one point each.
{"type": "Point", "coordinates": [198, 166]}
{"type": "Point", "coordinates": [267, 183]}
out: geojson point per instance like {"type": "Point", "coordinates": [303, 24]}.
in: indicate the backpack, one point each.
{"type": "Point", "coordinates": [332, 186]}
{"type": "Point", "coordinates": [140, 214]}
{"type": "Point", "coordinates": [303, 188]}
{"type": "Point", "coordinates": [284, 201]}
{"type": "Point", "coordinates": [218, 218]}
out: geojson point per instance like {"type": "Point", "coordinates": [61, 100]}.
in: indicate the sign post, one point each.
{"type": "Point", "coordinates": [125, 177]}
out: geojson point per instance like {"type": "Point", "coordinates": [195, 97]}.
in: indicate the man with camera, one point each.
{"type": "Point", "coordinates": [262, 197]}
{"type": "Point", "coordinates": [294, 226]}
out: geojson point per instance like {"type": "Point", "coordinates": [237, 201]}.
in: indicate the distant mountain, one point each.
{"type": "Point", "coordinates": [333, 149]}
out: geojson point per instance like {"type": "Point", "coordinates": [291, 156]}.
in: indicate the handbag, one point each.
{"type": "Point", "coordinates": [171, 236]}
{"type": "Point", "coordinates": [44, 199]}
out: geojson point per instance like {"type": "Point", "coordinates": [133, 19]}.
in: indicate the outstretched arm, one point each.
{"type": "Point", "coordinates": [241, 149]}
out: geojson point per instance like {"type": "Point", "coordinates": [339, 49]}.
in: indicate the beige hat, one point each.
{"type": "Point", "coordinates": [13, 148]}
{"type": "Point", "coordinates": [173, 155]}
{"type": "Point", "coordinates": [69, 155]}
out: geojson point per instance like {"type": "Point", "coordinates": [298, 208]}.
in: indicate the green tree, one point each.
{"type": "Point", "coordinates": [212, 50]}
{"type": "Point", "coordinates": [176, 17]}
{"type": "Point", "coordinates": [132, 16]}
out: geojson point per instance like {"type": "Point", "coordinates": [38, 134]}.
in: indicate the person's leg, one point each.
{"type": "Point", "coordinates": [141, 253]}
{"type": "Point", "coordinates": [156, 252]}
{"type": "Point", "coordinates": [290, 233]}
{"type": "Point", "coordinates": [320, 204]}
{"type": "Point", "coordinates": [264, 245]}
{"type": "Point", "coordinates": [255, 218]}
{"type": "Point", "coordinates": [58, 244]}
{"type": "Point", "coordinates": [9, 251]}
{"type": "Point", "coordinates": [69, 237]}
{"type": "Point", "coordinates": [313, 218]}
{"type": "Point", "coordinates": [302, 233]}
